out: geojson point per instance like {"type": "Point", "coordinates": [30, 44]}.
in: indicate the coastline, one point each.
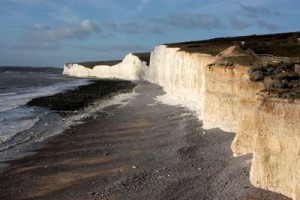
{"type": "Point", "coordinates": [66, 109]}
{"type": "Point", "coordinates": [143, 150]}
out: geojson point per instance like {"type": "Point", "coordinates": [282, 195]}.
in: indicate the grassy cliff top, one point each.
{"type": "Point", "coordinates": [282, 44]}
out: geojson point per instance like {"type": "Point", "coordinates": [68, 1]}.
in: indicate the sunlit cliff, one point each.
{"type": "Point", "coordinates": [224, 96]}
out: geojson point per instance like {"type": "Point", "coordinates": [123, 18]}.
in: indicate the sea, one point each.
{"type": "Point", "coordinates": [23, 129]}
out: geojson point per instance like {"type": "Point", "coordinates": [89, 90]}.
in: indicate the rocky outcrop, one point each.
{"type": "Point", "coordinates": [226, 96]}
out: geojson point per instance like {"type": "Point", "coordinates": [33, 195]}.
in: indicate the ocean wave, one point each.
{"type": "Point", "coordinates": [7, 108]}
{"type": "Point", "coordinates": [8, 94]}
{"type": "Point", "coordinates": [8, 131]}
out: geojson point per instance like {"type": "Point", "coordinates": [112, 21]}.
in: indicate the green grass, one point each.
{"type": "Point", "coordinates": [281, 50]}
{"type": "Point", "coordinates": [282, 44]}
{"type": "Point", "coordinates": [241, 60]}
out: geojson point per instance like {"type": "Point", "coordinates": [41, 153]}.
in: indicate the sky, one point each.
{"type": "Point", "coordinates": [53, 32]}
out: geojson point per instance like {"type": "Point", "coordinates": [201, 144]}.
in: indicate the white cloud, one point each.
{"type": "Point", "coordinates": [129, 27]}
{"type": "Point", "coordinates": [112, 47]}
{"type": "Point", "coordinates": [41, 36]}
{"type": "Point", "coordinates": [73, 31]}
{"type": "Point", "coordinates": [191, 21]}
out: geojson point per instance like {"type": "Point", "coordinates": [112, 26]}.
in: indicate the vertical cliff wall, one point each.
{"type": "Point", "coordinates": [181, 74]}
{"type": "Point", "coordinates": [276, 158]}
{"type": "Point", "coordinates": [229, 104]}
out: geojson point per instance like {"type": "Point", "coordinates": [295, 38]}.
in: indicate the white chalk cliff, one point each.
{"type": "Point", "coordinates": [131, 68]}
{"type": "Point", "coordinates": [224, 97]}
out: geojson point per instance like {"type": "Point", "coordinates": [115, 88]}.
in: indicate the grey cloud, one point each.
{"type": "Point", "coordinates": [238, 24]}
{"type": "Point", "coordinates": [129, 27]}
{"type": "Point", "coordinates": [43, 37]}
{"type": "Point", "coordinates": [106, 48]}
{"type": "Point", "coordinates": [266, 25]}
{"type": "Point", "coordinates": [191, 21]}
{"type": "Point", "coordinates": [255, 11]}
{"type": "Point", "coordinates": [75, 31]}
{"type": "Point", "coordinates": [30, 45]}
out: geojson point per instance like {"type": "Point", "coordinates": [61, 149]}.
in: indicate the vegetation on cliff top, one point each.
{"type": "Point", "coordinates": [284, 44]}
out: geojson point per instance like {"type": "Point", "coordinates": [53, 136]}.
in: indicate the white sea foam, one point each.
{"type": "Point", "coordinates": [8, 94]}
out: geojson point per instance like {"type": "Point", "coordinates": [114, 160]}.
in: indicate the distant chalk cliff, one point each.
{"type": "Point", "coordinates": [131, 68]}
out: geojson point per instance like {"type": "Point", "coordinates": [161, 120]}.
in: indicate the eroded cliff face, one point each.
{"type": "Point", "coordinates": [131, 68]}
{"type": "Point", "coordinates": [276, 159]}
{"type": "Point", "coordinates": [229, 104]}
{"type": "Point", "coordinates": [224, 97]}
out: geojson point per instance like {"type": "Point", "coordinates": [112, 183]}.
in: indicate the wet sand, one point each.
{"type": "Point", "coordinates": [143, 150]}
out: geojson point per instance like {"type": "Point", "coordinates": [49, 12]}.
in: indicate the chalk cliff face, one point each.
{"type": "Point", "coordinates": [131, 68]}
{"type": "Point", "coordinates": [224, 97]}
{"type": "Point", "coordinates": [181, 74]}
{"type": "Point", "coordinates": [229, 104]}
{"type": "Point", "coordinates": [276, 159]}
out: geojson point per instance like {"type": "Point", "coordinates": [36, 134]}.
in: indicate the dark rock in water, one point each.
{"type": "Point", "coordinates": [83, 96]}
{"type": "Point", "coordinates": [257, 76]}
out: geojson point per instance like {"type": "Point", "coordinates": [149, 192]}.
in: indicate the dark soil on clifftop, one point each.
{"type": "Point", "coordinates": [141, 150]}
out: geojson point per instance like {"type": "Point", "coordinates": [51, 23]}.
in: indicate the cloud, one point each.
{"type": "Point", "coordinates": [61, 10]}
{"type": "Point", "coordinates": [20, 45]}
{"type": "Point", "coordinates": [107, 48]}
{"type": "Point", "coordinates": [67, 32]}
{"type": "Point", "coordinates": [238, 24]}
{"type": "Point", "coordinates": [143, 4]}
{"type": "Point", "coordinates": [191, 21]}
{"type": "Point", "coordinates": [43, 37]}
{"type": "Point", "coordinates": [63, 13]}
{"type": "Point", "coordinates": [256, 11]}
{"type": "Point", "coordinates": [129, 27]}
{"type": "Point", "coordinates": [263, 24]}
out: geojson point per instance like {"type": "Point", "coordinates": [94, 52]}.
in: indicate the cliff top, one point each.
{"type": "Point", "coordinates": [236, 54]}
{"type": "Point", "coordinates": [282, 45]}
